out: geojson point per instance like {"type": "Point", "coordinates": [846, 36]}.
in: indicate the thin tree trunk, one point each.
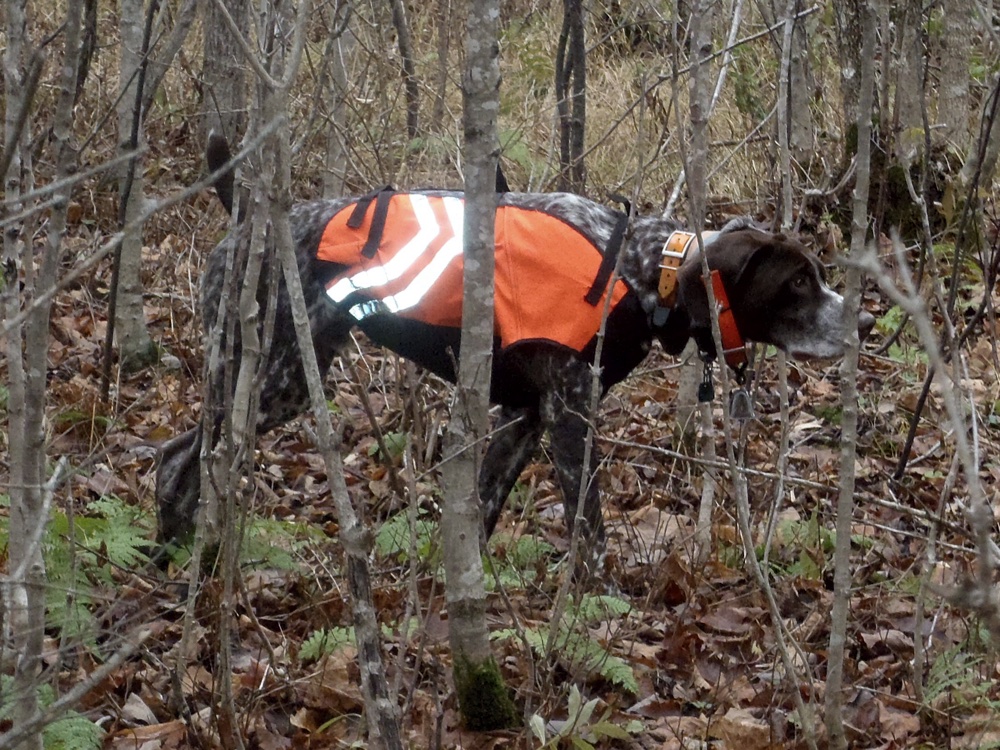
{"type": "Point", "coordinates": [22, 599]}
{"type": "Point", "coordinates": [444, 9]}
{"type": "Point", "coordinates": [796, 85]}
{"type": "Point", "coordinates": [785, 88]}
{"type": "Point", "coordinates": [335, 174]}
{"type": "Point", "coordinates": [847, 17]}
{"type": "Point", "coordinates": [224, 72]}
{"type": "Point", "coordinates": [954, 52]}
{"type": "Point", "coordinates": [27, 361]}
{"type": "Point", "coordinates": [571, 97]}
{"type": "Point", "coordinates": [801, 127]}
{"type": "Point", "coordinates": [160, 64]}
{"type": "Point", "coordinates": [981, 164]}
{"type": "Point", "coordinates": [482, 695]}
{"type": "Point", "coordinates": [909, 83]}
{"type": "Point", "coordinates": [410, 88]}
{"type": "Point", "coordinates": [135, 347]}
{"type": "Point", "coordinates": [699, 102]}
{"type": "Point", "coordinates": [242, 429]}
{"type": "Point", "coordinates": [842, 576]}
{"type": "Point", "coordinates": [380, 708]}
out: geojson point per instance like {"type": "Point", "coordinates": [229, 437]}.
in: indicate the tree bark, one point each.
{"type": "Point", "coordinates": [223, 73]}
{"type": "Point", "coordinates": [571, 97]}
{"type": "Point", "coordinates": [410, 88]}
{"type": "Point", "coordinates": [910, 66]}
{"type": "Point", "coordinates": [135, 347]}
{"type": "Point", "coordinates": [335, 174]}
{"type": "Point", "coordinates": [847, 17]}
{"type": "Point", "coordinates": [954, 52]}
{"type": "Point", "coordinates": [981, 163]}
{"type": "Point", "coordinates": [482, 695]}
{"type": "Point", "coordinates": [700, 101]}
{"type": "Point", "coordinates": [785, 95]}
{"type": "Point", "coordinates": [21, 598]}
{"type": "Point", "coordinates": [160, 64]}
{"type": "Point", "coordinates": [444, 10]}
{"type": "Point", "coordinates": [797, 85]}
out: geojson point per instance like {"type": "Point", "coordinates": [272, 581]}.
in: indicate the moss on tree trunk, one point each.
{"type": "Point", "coordinates": [482, 696]}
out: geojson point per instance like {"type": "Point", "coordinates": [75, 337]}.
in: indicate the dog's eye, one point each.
{"type": "Point", "coordinates": [800, 282]}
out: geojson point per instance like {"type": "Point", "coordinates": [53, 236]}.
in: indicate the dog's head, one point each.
{"type": "Point", "coordinates": [778, 293]}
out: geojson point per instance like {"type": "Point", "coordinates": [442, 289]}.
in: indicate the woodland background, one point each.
{"type": "Point", "coordinates": [717, 641]}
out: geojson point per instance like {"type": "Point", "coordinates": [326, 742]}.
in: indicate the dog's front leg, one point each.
{"type": "Point", "coordinates": [513, 443]}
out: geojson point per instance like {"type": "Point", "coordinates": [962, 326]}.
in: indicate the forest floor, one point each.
{"type": "Point", "coordinates": [683, 654]}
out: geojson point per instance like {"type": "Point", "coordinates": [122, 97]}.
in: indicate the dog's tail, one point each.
{"type": "Point", "coordinates": [218, 156]}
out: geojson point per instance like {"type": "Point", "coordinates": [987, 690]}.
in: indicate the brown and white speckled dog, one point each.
{"type": "Point", "coordinates": [356, 270]}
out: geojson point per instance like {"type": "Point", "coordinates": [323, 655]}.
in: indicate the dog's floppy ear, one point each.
{"type": "Point", "coordinates": [731, 254]}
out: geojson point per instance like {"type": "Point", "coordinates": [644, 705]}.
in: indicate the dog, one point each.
{"type": "Point", "coordinates": [390, 264]}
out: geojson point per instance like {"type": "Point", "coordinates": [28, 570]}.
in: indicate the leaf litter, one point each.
{"type": "Point", "coordinates": [697, 640]}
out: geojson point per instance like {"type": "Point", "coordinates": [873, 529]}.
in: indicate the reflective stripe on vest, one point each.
{"type": "Point", "coordinates": [411, 252]}
{"type": "Point", "coordinates": [544, 269]}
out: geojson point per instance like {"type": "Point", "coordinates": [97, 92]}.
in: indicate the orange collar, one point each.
{"type": "Point", "coordinates": [674, 253]}
{"type": "Point", "coordinates": [733, 348]}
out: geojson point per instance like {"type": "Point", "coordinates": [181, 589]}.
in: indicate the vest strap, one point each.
{"type": "Point", "coordinates": [381, 197]}
{"type": "Point", "coordinates": [608, 261]}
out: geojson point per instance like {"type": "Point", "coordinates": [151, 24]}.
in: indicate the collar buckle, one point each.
{"type": "Point", "coordinates": [672, 256]}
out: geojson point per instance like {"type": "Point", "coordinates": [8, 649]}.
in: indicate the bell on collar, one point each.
{"type": "Point", "coordinates": [740, 404]}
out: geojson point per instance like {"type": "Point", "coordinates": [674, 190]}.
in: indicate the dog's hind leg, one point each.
{"type": "Point", "coordinates": [514, 442]}
{"type": "Point", "coordinates": [284, 395]}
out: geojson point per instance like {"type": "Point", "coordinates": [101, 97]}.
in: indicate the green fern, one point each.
{"type": "Point", "coordinates": [579, 653]}
{"type": "Point", "coordinates": [112, 536]}
{"type": "Point", "coordinates": [518, 564]}
{"type": "Point", "coordinates": [393, 539]}
{"type": "Point", "coordinates": [269, 543]}
{"type": "Point", "coordinates": [324, 641]}
{"type": "Point", "coordinates": [275, 544]}
{"type": "Point", "coordinates": [72, 731]}
{"type": "Point", "coordinates": [595, 608]}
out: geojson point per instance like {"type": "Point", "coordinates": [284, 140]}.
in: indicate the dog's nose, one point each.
{"type": "Point", "coordinates": [866, 322]}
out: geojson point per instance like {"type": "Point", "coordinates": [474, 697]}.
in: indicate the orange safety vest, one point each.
{"type": "Point", "coordinates": [544, 269]}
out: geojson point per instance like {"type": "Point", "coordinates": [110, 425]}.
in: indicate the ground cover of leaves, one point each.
{"type": "Point", "coordinates": [689, 646]}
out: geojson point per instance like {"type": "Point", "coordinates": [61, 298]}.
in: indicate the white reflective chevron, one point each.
{"type": "Point", "coordinates": [428, 276]}
{"type": "Point", "coordinates": [405, 259]}
{"type": "Point", "coordinates": [400, 262]}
